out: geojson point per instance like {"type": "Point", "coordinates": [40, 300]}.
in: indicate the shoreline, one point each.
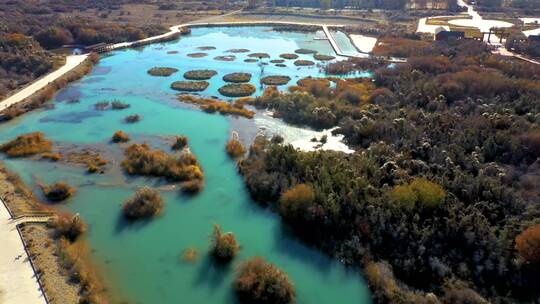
{"type": "Point", "coordinates": [32, 267]}
{"type": "Point", "coordinates": [19, 280]}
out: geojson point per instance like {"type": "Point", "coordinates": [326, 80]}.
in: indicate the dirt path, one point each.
{"type": "Point", "coordinates": [17, 279]}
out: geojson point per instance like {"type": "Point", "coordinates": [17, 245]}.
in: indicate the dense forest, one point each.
{"type": "Point", "coordinates": [439, 203]}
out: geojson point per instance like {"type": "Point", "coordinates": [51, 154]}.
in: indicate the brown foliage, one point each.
{"type": "Point", "coordinates": [69, 226]}
{"type": "Point", "coordinates": [26, 145]}
{"type": "Point", "coordinates": [120, 137]}
{"type": "Point", "coordinates": [528, 244]}
{"type": "Point", "coordinates": [224, 245]}
{"type": "Point", "coordinates": [180, 142]}
{"type": "Point", "coordinates": [223, 107]}
{"type": "Point", "coordinates": [235, 148]}
{"type": "Point", "coordinates": [58, 191]}
{"type": "Point", "coordinates": [259, 282]}
{"type": "Point", "coordinates": [141, 160]}
{"type": "Point", "coordinates": [146, 203]}
{"type": "Point", "coordinates": [296, 201]}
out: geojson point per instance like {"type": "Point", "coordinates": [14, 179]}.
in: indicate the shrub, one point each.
{"type": "Point", "coordinates": [120, 137]}
{"type": "Point", "coordinates": [26, 145]}
{"type": "Point", "coordinates": [211, 105]}
{"type": "Point", "coordinates": [224, 245]}
{"type": "Point", "coordinates": [70, 227]}
{"type": "Point", "coordinates": [192, 186]}
{"type": "Point", "coordinates": [421, 192]}
{"type": "Point", "coordinates": [180, 142]}
{"type": "Point", "coordinates": [58, 191]}
{"type": "Point", "coordinates": [102, 105]}
{"type": "Point", "coordinates": [235, 148]}
{"type": "Point", "coordinates": [528, 244]}
{"type": "Point", "coordinates": [295, 202]}
{"type": "Point", "coordinates": [259, 282]}
{"type": "Point", "coordinates": [51, 156]}
{"type": "Point", "coordinates": [146, 203]}
{"type": "Point", "coordinates": [141, 160]}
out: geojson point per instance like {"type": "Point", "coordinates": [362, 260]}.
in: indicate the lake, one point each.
{"type": "Point", "coordinates": [142, 262]}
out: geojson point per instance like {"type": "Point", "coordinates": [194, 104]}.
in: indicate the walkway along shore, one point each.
{"type": "Point", "coordinates": [19, 281]}
{"type": "Point", "coordinates": [73, 61]}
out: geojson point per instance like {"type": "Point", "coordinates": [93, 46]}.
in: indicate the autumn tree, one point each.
{"type": "Point", "coordinates": [528, 244]}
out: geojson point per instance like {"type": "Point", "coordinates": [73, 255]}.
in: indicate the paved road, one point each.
{"type": "Point", "coordinates": [18, 282]}
{"type": "Point", "coordinates": [71, 62]}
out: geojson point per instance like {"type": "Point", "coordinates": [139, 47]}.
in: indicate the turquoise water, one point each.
{"type": "Point", "coordinates": [142, 262]}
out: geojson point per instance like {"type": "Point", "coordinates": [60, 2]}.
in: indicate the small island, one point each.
{"type": "Point", "coordinates": [162, 71]}
{"type": "Point", "coordinates": [237, 90]}
{"type": "Point", "coordinates": [146, 203]}
{"type": "Point", "coordinates": [275, 80]}
{"type": "Point", "coordinates": [261, 282]}
{"type": "Point", "coordinates": [199, 74]}
{"type": "Point", "coordinates": [190, 86]}
{"type": "Point", "coordinates": [237, 77]}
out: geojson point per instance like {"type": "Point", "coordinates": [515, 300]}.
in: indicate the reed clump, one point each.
{"type": "Point", "coordinates": [146, 203]}
{"type": "Point", "coordinates": [142, 160]}
{"type": "Point", "coordinates": [224, 245]}
{"type": "Point", "coordinates": [27, 145]}
{"type": "Point", "coordinates": [235, 148]}
{"type": "Point", "coordinates": [263, 283]}
{"type": "Point", "coordinates": [212, 105]}
{"type": "Point", "coordinates": [120, 137]}
{"type": "Point", "coordinates": [58, 191]}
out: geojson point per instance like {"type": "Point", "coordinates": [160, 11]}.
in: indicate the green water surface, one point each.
{"type": "Point", "coordinates": [142, 262]}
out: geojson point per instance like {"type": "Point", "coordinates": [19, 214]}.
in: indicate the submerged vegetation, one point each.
{"type": "Point", "coordinates": [260, 282]}
{"type": "Point", "coordinates": [58, 191]}
{"type": "Point", "coordinates": [224, 245]}
{"type": "Point", "coordinates": [132, 118]}
{"type": "Point", "coordinates": [141, 160]}
{"type": "Point", "coordinates": [27, 145]}
{"type": "Point", "coordinates": [213, 105]}
{"type": "Point", "coordinates": [146, 203]}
